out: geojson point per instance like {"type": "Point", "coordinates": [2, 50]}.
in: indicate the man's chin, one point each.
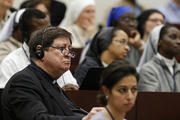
{"type": "Point", "coordinates": [66, 68]}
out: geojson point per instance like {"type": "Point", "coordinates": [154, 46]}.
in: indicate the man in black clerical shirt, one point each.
{"type": "Point", "coordinates": [33, 94]}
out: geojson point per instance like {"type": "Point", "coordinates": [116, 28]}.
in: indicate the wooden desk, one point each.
{"type": "Point", "coordinates": [87, 99]}
{"type": "Point", "coordinates": [149, 105]}
{"type": "Point", "coordinates": [158, 106]}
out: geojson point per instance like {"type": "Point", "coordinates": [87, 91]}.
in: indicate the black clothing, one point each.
{"type": "Point", "coordinates": [57, 12]}
{"type": "Point", "coordinates": [31, 94]}
{"type": "Point", "coordinates": [83, 68]}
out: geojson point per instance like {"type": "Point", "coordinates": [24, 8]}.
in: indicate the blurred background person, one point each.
{"type": "Point", "coordinates": [12, 28]}
{"type": "Point", "coordinates": [36, 4]}
{"type": "Point", "coordinates": [151, 46]}
{"type": "Point", "coordinates": [108, 45]}
{"type": "Point", "coordinates": [171, 11]}
{"type": "Point", "coordinates": [52, 8]}
{"type": "Point", "coordinates": [5, 6]}
{"type": "Point", "coordinates": [80, 21]}
{"type": "Point", "coordinates": [124, 18]}
{"type": "Point", "coordinates": [11, 35]}
{"type": "Point", "coordinates": [162, 72]}
{"type": "Point", "coordinates": [119, 91]}
{"type": "Point", "coordinates": [147, 21]}
{"type": "Point", "coordinates": [57, 10]}
{"type": "Point", "coordinates": [137, 8]}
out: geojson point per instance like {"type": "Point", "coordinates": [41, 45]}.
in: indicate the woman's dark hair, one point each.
{"type": "Point", "coordinates": [45, 37]}
{"type": "Point", "coordinates": [143, 17]}
{"type": "Point", "coordinates": [114, 73]}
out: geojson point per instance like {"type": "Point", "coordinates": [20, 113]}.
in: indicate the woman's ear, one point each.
{"type": "Point", "coordinates": [105, 90]}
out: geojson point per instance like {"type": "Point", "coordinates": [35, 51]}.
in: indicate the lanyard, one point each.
{"type": "Point", "coordinates": [26, 53]}
{"type": "Point", "coordinates": [109, 113]}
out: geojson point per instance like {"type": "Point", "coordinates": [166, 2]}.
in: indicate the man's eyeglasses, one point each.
{"type": "Point", "coordinates": [65, 51]}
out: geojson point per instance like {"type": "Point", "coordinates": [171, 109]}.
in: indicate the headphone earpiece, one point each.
{"type": "Point", "coordinates": [39, 53]}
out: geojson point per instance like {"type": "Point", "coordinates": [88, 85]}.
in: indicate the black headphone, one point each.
{"type": "Point", "coordinates": [40, 52]}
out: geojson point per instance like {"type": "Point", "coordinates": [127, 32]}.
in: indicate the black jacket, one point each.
{"type": "Point", "coordinates": [31, 95]}
{"type": "Point", "coordinates": [83, 68]}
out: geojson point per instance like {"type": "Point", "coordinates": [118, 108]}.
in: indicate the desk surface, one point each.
{"type": "Point", "coordinates": [149, 105]}
{"type": "Point", "coordinates": [158, 106]}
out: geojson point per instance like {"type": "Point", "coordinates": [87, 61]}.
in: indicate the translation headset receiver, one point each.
{"type": "Point", "coordinates": [40, 52]}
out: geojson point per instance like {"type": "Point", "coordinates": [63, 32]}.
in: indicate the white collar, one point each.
{"type": "Point", "coordinates": [104, 64]}
{"type": "Point", "coordinates": [168, 62]}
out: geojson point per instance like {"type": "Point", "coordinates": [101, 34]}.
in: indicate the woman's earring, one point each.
{"type": "Point", "coordinates": [106, 97]}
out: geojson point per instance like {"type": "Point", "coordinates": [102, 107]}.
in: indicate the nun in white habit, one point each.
{"type": "Point", "coordinates": [80, 21]}
{"type": "Point", "coordinates": [151, 47]}
{"type": "Point", "coordinates": [10, 38]}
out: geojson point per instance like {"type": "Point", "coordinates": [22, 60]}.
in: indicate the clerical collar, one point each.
{"type": "Point", "coordinates": [104, 64]}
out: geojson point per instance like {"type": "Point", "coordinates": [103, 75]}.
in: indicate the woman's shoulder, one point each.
{"type": "Point", "coordinates": [99, 116]}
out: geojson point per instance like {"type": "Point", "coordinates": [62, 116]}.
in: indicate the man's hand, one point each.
{"type": "Point", "coordinates": [92, 112]}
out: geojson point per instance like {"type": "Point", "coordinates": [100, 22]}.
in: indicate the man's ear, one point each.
{"type": "Point", "coordinates": [38, 47]}
{"type": "Point", "coordinates": [39, 52]}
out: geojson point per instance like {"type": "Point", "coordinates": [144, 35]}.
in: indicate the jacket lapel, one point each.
{"type": "Point", "coordinates": [50, 89]}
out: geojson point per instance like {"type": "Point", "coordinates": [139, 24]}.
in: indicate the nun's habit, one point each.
{"type": "Point", "coordinates": [151, 46]}
{"type": "Point", "coordinates": [7, 42]}
{"type": "Point", "coordinates": [7, 30]}
{"type": "Point", "coordinates": [74, 9]}
{"type": "Point", "coordinates": [99, 44]}
{"type": "Point", "coordinates": [117, 12]}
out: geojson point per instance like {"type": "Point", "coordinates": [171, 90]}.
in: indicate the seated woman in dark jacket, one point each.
{"type": "Point", "coordinates": [107, 45]}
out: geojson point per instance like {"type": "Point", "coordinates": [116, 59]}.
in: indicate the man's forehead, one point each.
{"type": "Point", "coordinates": [62, 40]}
